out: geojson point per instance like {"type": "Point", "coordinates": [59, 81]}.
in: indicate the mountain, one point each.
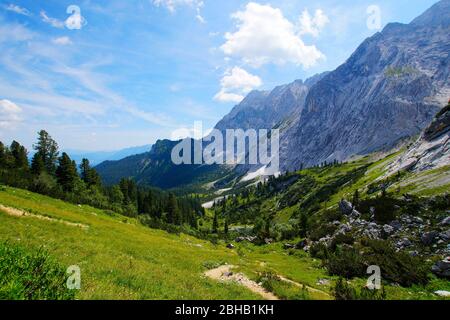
{"type": "Point", "coordinates": [100, 156]}
{"type": "Point", "coordinates": [267, 109]}
{"type": "Point", "coordinates": [156, 168]}
{"type": "Point", "coordinates": [388, 90]}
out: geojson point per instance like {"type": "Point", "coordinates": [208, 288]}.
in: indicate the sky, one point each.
{"type": "Point", "coordinates": [110, 74]}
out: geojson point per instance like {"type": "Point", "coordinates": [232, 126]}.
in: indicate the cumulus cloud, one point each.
{"type": "Point", "coordinates": [235, 83]}
{"type": "Point", "coordinates": [172, 5]}
{"type": "Point", "coordinates": [51, 21]}
{"type": "Point", "coordinates": [9, 114]}
{"type": "Point", "coordinates": [63, 41]}
{"type": "Point", "coordinates": [312, 25]}
{"type": "Point", "coordinates": [19, 10]}
{"type": "Point", "coordinates": [264, 36]}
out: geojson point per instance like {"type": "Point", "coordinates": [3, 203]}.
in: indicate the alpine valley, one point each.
{"type": "Point", "coordinates": [364, 181]}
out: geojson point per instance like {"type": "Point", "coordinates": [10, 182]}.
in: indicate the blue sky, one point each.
{"type": "Point", "coordinates": [126, 73]}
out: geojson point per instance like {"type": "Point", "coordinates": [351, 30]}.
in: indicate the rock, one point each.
{"type": "Point", "coordinates": [445, 235]}
{"type": "Point", "coordinates": [268, 241]}
{"type": "Point", "coordinates": [396, 225]}
{"type": "Point", "coordinates": [403, 243]}
{"type": "Point", "coordinates": [442, 293]}
{"type": "Point", "coordinates": [302, 244]}
{"type": "Point", "coordinates": [429, 238]}
{"type": "Point", "coordinates": [414, 253]}
{"type": "Point", "coordinates": [228, 274]}
{"type": "Point", "coordinates": [323, 282]}
{"type": "Point", "coordinates": [388, 230]}
{"type": "Point", "coordinates": [287, 246]}
{"type": "Point", "coordinates": [445, 221]}
{"type": "Point", "coordinates": [239, 239]}
{"type": "Point", "coordinates": [345, 207]}
{"type": "Point", "coordinates": [230, 246]}
{"type": "Point", "coordinates": [442, 268]}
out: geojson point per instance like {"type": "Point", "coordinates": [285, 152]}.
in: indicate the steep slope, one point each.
{"type": "Point", "coordinates": [432, 149]}
{"type": "Point", "coordinates": [388, 90]}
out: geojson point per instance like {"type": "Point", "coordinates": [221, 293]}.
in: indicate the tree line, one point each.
{"type": "Point", "coordinates": [58, 176]}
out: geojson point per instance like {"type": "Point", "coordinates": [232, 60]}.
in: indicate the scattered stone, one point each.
{"type": "Point", "coordinates": [396, 225]}
{"type": "Point", "coordinates": [302, 244]}
{"type": "Point", "coordinates": [345, 207]}
{"type": "Point", "coordinates": [268, 241]}
{"type": "Point", "coordinates": [287, 246]}
{"type": "Point", "coordinates": [442, 268]}
{"type": "Point", "coordinates": [230, 246]}
{"type": "Point", "coordinates": [414, 253]}
{"type": "Point", "coordinates": [387, 231]}
{"type": "Point", "coordinates": [445, 235]}
{"type": "Point", "coordinates": [442, 293]}
{"type": "Point", "coordinates": [323, 282]}
{"type": "Point", "coordinates": [429, 238]}
{"type": "Point", "coordinates": [445, 221]}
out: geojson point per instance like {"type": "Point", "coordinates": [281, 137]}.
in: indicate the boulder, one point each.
{"type": "Point", "coordinates": [387, 230]}
{"type": "Point", "coordinates": [442, 293]}
{"type": "Point", "coordinates": [345, 207]}
{"type": "Point", "coordinates": [302, 244]}
{"type": "Point", "coordinates": [396, 225]}
{"type": "Point", "coordinates": [287, 246]}
{"type": "Point", "coordinates": [429, 238]}
{"type": "Point", "coordinates": [445, 221]}
{"type": "Point", "coordinates": [230, 246]}
{"type": "Point", "coordinates": [442, 268]}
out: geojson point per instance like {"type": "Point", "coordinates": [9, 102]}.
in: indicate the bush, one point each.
{"type": "Point", "coordinates": [343, 291]}
{"type": "Point", "coordinates": [26, 275]}
{"type": "Point", "coordinates": [319, 251]}
{"type": "Point", "coordinates": [345, 262]}
{"type": "Point", "coordinates": [398, 267]}
{"type": "Point", "coordinates": [341, 238]}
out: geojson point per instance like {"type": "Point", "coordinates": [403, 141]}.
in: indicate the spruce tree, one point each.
{"type": "Point", "coordinates": [37, 164]}
{"type": "Point", "coordinates": [215, 225]}
{"type": "Point", "coordinates": [19, 155]}
{"type": "Point", "coordinates": [66, 173]}
{"type": "Point", "coordinates": [48, 150]}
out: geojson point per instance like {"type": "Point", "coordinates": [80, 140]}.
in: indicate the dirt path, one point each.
{"type": "Point", "coordinates": [225, 274]}
{"type": "Point", "coordinates": [310, 289]}
{"type": "Point", "coordinates": [20, 213]}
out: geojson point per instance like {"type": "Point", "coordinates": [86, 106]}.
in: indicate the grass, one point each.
{"type": "Point", "coordinates": [120, 259]}
{"type": "Point", "coordinates": [31, 275]}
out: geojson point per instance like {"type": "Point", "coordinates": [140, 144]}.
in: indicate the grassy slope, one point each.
{"type": "Point", "coordinates": [120, 259]}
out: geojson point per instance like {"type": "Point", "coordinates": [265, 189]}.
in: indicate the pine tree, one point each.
{"type": "Point", "coordinates": [66, 173]}
{"type": "Point", "coordinates": [48, 150]}
{"type": "Point", "coordinates": [355, 200]}
{"type": "Point", "coordinates": [19, 155]}
{"type": "Point", "coordinates": [173, 210]}
{"type": "Point", "coordinates": [2, 155]}
{"type": "Point", "coordinates": [37, 164]}
{"type": "Point", "coordinates": [225, 227]}
{"type": "Point", "coordinates": [88, 174]}
{"type": "Point", "coordinates": [215, 225]}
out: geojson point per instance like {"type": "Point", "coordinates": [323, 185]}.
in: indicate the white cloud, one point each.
{"type": "Point", "coordinates": [63, 41]}
{"type": "Point", "coordinates": [15, 8]}
{"type": "Point", "coordinates": [264, 36]}
{"type": "Point", "coordinates": [51, 21]}
{"type": "Point", "coordinates": [172, 5]}
{"type": "Point", "coordinates": [312, 25]}
{"type": "Point", "coordinates": [9, 113]}
{"type": "Point", "coordinates": [235, 84]}
{"type": "Point", "coordinates": [14, 33]}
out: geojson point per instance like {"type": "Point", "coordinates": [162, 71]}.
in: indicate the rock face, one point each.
{"type": "Point", "coordinates": [431, 150]}
{"type": "Point", "coordinates": [389, 89]}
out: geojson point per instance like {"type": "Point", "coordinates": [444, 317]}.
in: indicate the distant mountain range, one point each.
{"type": "Point", "coordinates": [388, 90]}
{"type": "Point", "coordinates": [97, 157]}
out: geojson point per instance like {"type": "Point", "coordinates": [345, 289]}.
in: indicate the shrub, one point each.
{"type": "Point", "coordinates": [341, 238]}
{"type": "Point", "coordinates": [345, 262]}
{"type": "Point", "coordinates": [398, 267]}
{"type": "Point", "coordinates": [343, 291]}
{"type": "Point", "coordinates": [319, 251]}
{"type": "Point", "coordinates": [26, 275]}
